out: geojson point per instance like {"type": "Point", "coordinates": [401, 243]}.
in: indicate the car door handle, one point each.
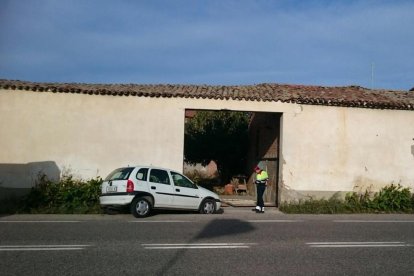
{"type": "Point", "coordinates": [177, 190]}
{"type": "Point", "coordinates": [153, 187]}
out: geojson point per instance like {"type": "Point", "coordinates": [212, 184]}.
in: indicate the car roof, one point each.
{"type": "Point", "coordinates": [149, 167]}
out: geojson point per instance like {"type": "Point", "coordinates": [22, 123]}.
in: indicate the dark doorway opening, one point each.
{"type": "Point", "coordinates": [261, 148]}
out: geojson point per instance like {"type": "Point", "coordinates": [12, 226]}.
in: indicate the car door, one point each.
{"type": "Point", "coordinates": [161, 188]}
{"type": "Point", "coordinates": [186, 193]}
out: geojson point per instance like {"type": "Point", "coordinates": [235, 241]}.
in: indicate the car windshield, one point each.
{"type": "Point", "coordinates": [119, 174]}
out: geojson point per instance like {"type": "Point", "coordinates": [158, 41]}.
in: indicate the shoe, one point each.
{"type": "Point", "coordinates": [259, 210]}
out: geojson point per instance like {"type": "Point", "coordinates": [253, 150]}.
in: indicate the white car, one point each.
{"type": "Point", "coordinates": [145, 188]}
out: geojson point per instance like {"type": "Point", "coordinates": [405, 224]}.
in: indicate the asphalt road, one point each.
{"type": "Point", "coordinates": [237, 242]}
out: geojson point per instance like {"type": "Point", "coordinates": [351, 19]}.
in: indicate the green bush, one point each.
{"type": "Point", "coordinates": [68, 196]}
{"type": "Point", "coordinates": [390, 199]}
{"type": "Point", "coordinates": [358, 203]}
{"type": "Point", "coordinates": [412, 202]}
{"type": "Point", "coordinates": [315, 206]}
{"type": "Point", "coordinates": [10, 205]}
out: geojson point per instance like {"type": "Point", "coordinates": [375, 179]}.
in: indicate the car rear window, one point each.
{"type": "Point", "coordinates": [120, 174]}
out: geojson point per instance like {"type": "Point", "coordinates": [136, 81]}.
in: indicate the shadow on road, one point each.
{"type": "Point", "coordinates": [216, 228]}
{"type": "Point", "coordinates": [224, 227]}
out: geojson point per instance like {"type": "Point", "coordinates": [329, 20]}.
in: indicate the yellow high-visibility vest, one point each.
{"type": "Point", "coordinates": [262, 176]}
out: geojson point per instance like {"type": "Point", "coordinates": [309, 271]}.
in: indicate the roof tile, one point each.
{"type": "Point", "coordinates": [349, 96]}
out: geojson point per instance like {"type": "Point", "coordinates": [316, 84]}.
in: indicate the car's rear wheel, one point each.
{"type": "Point", "coordinates": [140, 207]}
{"type": "Point", "coordinates": [208, 206]}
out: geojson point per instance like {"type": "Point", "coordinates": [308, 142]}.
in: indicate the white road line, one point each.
{"type": "Point", "coordinates": [375, 221]}
{"type": "Point", "coordinates": [356, 244]}
{"type": "Point", "coordinates": [158, 221]}
{"type": "Point", "coordinates": [396, 242]}
{"type": "Point", "coordinates": [197, 245]}
{"type": "Point", "coordinates": [39, 221]}
{"type": "Point", "coordinates": [45, 245]}
{"type": "Point", "coordinates": [186, 221]}
{"type": "Point", "coordinates": [274, 220]}
{"type": "Point", "coordinates": [359, 245]}
{"type": "Point", "coordinates": [200, 244]}
{"type": "Point", "coordinates": [42, 247]}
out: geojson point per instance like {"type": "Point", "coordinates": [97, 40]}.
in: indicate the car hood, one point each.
{"type": "Point", "coordinates": [205, 193]}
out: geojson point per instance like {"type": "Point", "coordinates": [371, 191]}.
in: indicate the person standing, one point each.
{"type": "Point", "coordinates": [261, 183]}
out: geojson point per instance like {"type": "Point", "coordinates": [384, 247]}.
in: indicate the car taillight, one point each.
{"type": "Point", "coordinates": [130, 186]}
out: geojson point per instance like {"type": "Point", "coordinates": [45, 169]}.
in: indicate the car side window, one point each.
{"type": "Point", "coordinates": [182, 181]}
{"type": "Point", "coordinates": [142, 174]}
{"type": "Point", "coordinates": [159, 176]}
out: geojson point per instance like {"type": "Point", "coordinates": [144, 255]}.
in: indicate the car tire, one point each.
{"type": "Point", "coordinates": [208, 206]}
{"type": "Point", "coordinates": [140, 207]}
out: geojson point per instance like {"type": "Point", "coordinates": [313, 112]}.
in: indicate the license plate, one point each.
{"type": "Point", "coordinates": [111, 189]}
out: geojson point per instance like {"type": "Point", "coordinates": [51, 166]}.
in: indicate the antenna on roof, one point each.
{"type": "Point", "coordinates": [372, 75]}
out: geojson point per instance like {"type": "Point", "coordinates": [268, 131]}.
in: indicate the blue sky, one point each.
{"type": "Point", "coordinates": [329, 43]}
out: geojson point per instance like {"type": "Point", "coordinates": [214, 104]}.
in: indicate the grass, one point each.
{"type": "Point", "coordinates": [72, 196]}
{"type": "Point", "coordinates": [390, 199]}
{"type": "Point", "coordinates": [68, 196]}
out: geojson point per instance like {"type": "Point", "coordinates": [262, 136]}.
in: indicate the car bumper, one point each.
{"type": "Point", "coordinates": [114, 199]}
{"type": "Point", "coordinates": [218, 204]}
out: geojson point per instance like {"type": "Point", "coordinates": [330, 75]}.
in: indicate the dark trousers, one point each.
{"type": "Point", "coordinates": [260, 191]}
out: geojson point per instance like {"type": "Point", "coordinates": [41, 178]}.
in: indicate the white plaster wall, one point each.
{"type": "Point", "coordinates": [89, 135]}
{"type": "Point", "coordinates": [323, 149]}
{"type": "Point", "coordinates": [347, 149]}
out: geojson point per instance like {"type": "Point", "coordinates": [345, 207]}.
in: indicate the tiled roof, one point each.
{"type": "Point", "coordinates": [350, 96]}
